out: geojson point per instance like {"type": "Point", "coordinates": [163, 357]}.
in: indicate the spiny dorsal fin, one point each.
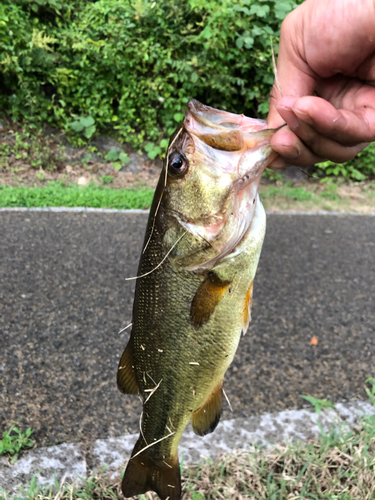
{"type": "Point", "coordinates": [247, 308]}
{"type": "Point", "coordinates": [208, 295]}
{"type": "Point", "coordinates": [126, 380]}
{"type": "Point", "coordinates": [207, 417]}
{"type": "Point", "coordinates": [144, 473]}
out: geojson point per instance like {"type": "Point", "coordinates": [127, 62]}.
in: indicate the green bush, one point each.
{"type": "Point", "coordinates": [133, 65]}
{"type": "Point", "coordinates": [358, 169]}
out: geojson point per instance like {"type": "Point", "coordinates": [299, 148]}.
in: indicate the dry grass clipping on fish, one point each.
{"type": "Point", "coordinates": [341, 465]}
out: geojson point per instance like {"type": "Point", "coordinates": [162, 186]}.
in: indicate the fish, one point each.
{"type": "Point", "coordinates": [194, 287]}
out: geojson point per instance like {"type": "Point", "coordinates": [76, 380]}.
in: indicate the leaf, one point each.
{"type": "Point", "coordinates": [319, 404]}
{"type": "Point", "coordinates": [87, 121]}
{"type": "Point", "coordinates": [123, 157]}
{"type": "Point", "coordinates": [282, 8]}
{"type": "Point", "coordinates": [259, 10]}
{"type": "Point", "coordinates": [239, 42]}
{"type": "Point", "coordinates": [76, 126]}
{"type": "Point", "coordinates": [264, 107]}
{"type": "Point", "coordinates": [154, 153]}
{"type": "Point", "coordinates": [90, 131]}
{"type": "Point", "coordinates": [194, 77]}
{"type": "Point", "coordinates": [164, 143]}
{"type": "Point", "coordinates": [206, 33]}
{"type": "Point", "coordinates": [112, 155]}
{"type": "Point", "coordinates": [178, 117]}
{"type": "Point", "coordinates": [117, 165]}
{"type": "Point", "coordinates": [248, 41]}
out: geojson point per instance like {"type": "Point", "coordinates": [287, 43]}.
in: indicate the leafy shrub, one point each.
{"type": "Point", "coordinates": [358, 169]}
{"type": "Point", "coordinates": [133, 65]}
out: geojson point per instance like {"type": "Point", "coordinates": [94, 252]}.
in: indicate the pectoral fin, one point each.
{"type": "Point", "coordinates": [205, 419]}
{"type": "Point", "coordinates": [126, 380]}
{"type": "Point", "coordinates": [208, 295]}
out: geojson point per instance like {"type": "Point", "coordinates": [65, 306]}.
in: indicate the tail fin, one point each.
{"type": "Point", "coordinates": [145, 473]}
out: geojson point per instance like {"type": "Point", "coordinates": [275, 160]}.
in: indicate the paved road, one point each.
{"type": "Point", "coordinates": [64, 299]}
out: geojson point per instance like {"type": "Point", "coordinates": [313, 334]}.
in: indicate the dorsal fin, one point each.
{"type": "Point", "coordinates": [205, 419]}
{"type": "Point", "coordinates": [208, 295]}
{"type": "Point", "coordinates": [126, 380]}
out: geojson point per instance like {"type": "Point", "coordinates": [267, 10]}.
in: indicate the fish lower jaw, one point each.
{"type": "Point", "coordinates": [231, 247]}
{"type": "Point", "coordinates": [243, 182]}
{"type": "Point", "coordinates": [239, 216]}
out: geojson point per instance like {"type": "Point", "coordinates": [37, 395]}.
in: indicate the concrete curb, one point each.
{"type": "Point", "coordinates": [68, 461]}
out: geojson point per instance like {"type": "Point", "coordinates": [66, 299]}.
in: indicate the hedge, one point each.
{"type": "Point", "coordinates": [130, 66]}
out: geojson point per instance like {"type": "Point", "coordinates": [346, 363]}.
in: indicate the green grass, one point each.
{"type": "Point", "coordinates": [319, 404]}
{"type": "Point", "coordinates": [57, 194]}
{"type": "Point", "coordinates": [340, 465]}
{"type": "Point", "coordinates": [14, 441]}
{"type": "Point", "coordinates": [321, 196]}
{"type": "Point", "coordinates": [293, 193]}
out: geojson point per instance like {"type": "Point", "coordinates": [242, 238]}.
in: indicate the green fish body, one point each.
{"type": "Point", "coordinates": [194, 288]}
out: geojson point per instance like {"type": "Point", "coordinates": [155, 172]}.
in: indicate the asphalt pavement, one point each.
{"type": "Point", "coordinates": [64, 298]}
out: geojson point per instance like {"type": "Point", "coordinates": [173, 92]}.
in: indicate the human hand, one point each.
{"type": "Point", "coordinates": [327, 48]}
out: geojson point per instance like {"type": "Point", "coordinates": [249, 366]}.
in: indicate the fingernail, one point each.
{"type": "Point", "coordinates": [305, 117]}
{"type": "Point", "coordinates": [291, 119]}
{"type": "Point", "coordinates": [338, 120]}
{"type": "Point", "coordinates": [290, 151]}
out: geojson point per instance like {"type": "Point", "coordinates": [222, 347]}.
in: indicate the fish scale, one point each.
{"type": "Point", "coordinates": [194, 287]}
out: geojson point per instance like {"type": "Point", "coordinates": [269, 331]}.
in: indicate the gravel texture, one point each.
{"type": "Point", "coordinates": [64, 298]}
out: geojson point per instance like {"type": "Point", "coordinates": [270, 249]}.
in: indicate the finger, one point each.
{"type": "Point", "coordinates": [279, 164]}
{"type": "Point", "coordinates": [323, 146]}
{"type": "Point", "coordinates": [347, 126]}
{"type": "Point", "coordinates": [292, 150]}
{"type": "Point", "coordinates": [274, 120]}
{"type": "Point", "coordinates": [295, 77]}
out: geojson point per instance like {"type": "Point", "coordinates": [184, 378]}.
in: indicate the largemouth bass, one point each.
{"type": "Point", "coordinates": [194, 288]}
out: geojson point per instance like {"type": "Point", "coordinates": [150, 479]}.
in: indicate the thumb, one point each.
{"type": "Point", "coordinates": [294, 76]}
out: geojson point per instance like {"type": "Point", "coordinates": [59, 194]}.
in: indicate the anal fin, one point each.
{"type": "Point", "coordinates": [126, 380]}
{"type": "Point", "coordinates": [205, 419]}
{"type": "Point", "coordinates": [208, 296]}
{"type": "Point", "coordinates": [144, 473]}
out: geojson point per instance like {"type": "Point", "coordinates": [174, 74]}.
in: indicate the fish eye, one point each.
{"type": "Point", "coordinates": [177, 163]}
